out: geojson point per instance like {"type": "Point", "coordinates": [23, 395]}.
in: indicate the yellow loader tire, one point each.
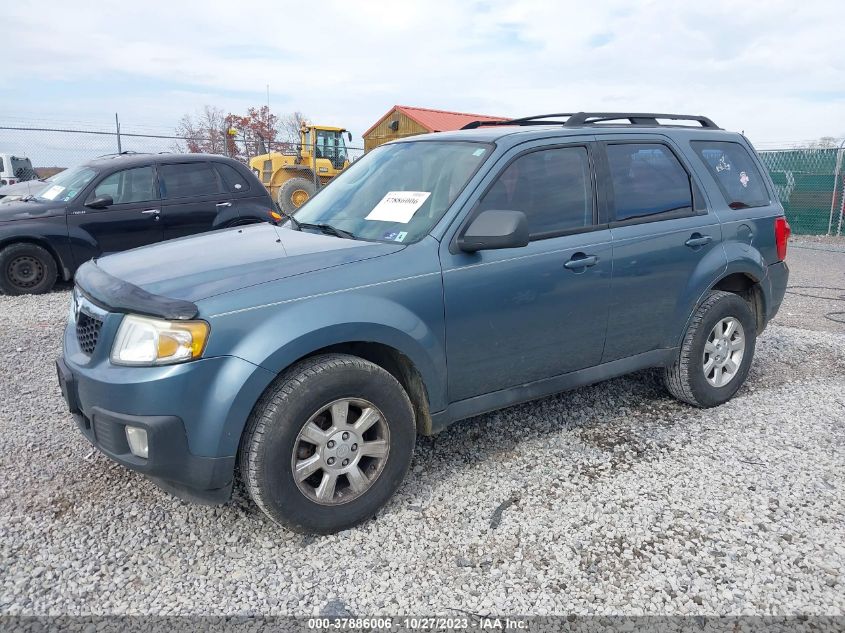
{"type": "Point", "coordinates": [294, 193]}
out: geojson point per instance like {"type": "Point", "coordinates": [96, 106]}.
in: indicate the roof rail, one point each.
{"type": "Point", "coordinates": [580, 119]}
{"type": "Point", "coordinates": [127, 152]}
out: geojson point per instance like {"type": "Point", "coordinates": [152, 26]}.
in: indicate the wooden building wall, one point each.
{"type": "Point", "coordinates": [382, 132]}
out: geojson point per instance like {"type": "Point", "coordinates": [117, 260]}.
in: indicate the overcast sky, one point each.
{"type": "Point", "coordinates": [775, 69]}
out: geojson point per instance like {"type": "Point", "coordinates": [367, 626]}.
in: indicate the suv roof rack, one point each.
{"type": "Point", "coordinates": [579, 119]}
{"type": "Point", "coordinates": [127, 152]}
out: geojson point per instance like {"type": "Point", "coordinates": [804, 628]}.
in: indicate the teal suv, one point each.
{"type": "Point", "coordinates": [439, 277]}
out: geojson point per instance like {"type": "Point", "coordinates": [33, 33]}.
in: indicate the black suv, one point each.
{"type": "Point", "coordinates": [115, 203]}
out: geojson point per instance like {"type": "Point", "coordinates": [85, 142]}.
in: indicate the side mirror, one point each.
{"type": "Point", "coordinates": [100, 202]}
{"type": "Point", "coordinates": [349, 136]}
{"type": "Point", "coordinates": [495, 229]}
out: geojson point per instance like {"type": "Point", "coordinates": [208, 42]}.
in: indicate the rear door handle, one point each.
{"type": "Point", "coordinates": [697, 239]}
{"type": "Point", "coordinates": [223, 204]}
{"type": "Point", "coordinates": [577, 263]}
{"type": "Point", "coordinates": [150, 211]}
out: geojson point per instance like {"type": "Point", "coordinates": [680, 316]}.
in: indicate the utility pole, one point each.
{"type": "Point", "coordinates": [117, 127]}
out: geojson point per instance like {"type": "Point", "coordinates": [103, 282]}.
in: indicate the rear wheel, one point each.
{"type": "Point", "coordinates": [328, 444]}
{"type": "Point", "coordinates": [26, 269]}
{"type": "Point", "coordinates": [294, 193]}
{"type": "Point", "coordinates": [716, 353]}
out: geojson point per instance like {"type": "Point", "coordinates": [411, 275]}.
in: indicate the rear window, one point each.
{"type": "Point", "coordinates": [647, 180]}
{"type": "Point", "coordinates": [185, 180]}
{"type": "Point", "coordinates": [734, 171]}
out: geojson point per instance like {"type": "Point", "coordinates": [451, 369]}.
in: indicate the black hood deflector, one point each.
{"type": "Point", "coordinates": [116, 295]}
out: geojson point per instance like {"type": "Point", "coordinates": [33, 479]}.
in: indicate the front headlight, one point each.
{"type": "Point", "coordinates": [146, 341]}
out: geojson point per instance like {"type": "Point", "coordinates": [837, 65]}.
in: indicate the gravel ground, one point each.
{"type": "Point", "coordinates": [613, 499]}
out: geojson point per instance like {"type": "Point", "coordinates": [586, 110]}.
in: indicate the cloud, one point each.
{"type": "Point", "coordinates": [762, 66]}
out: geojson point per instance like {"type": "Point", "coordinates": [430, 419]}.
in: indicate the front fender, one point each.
{"type": "Point", "coordinates": [274, 337]}
{"type": "Point", "coordinates": [51, 233]}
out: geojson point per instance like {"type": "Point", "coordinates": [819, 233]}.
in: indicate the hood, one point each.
{"type": "Point", "coordinates": [198, 267]}
{"type": "Point", "coordinates": [32, 210]}
{"type": "Point", "coordinates": [22, 188]}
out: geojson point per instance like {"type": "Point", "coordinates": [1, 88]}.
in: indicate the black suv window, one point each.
{"type": "Point", "coordinates": [128, 185]}
{"type": "Point", "coordinates": [734, 170]}
{"type": "Point", "coordinates": [552, 187]}
{"type": "Point", "coordinates": [647, 179]}
{"type": "Point", "coordinates": [233, 181]}
{"type": "Point", "coordinates": [188, 179]}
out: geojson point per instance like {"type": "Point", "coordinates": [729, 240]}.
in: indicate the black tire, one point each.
{"type": "Point", "coordinates": [289, 191]}
{"type": "Point", "coordinates": [685, 378]}
{"type": "Point", "coordinates": [26, 269]}
{"type": "Point", "coordinates": [266, 455]}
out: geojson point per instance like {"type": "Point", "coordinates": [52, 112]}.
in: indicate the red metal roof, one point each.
{"type": "Point", "coordinates": [437, 120]}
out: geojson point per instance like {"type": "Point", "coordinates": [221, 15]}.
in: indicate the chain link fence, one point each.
{"type": "Point", "coordinates": [809, 182]}
{"type": "Point", "coordinates": [52, 148]}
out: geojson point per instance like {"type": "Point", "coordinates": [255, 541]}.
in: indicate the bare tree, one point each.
{"type": "Point", "coordinates": [288, 127]}
{"type": "Point", "coordinates": [825, 142]}
{"type": "Point", "coordinates": [203, 132]}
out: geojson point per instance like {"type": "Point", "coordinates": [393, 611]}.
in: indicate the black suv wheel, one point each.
{"type": "Point", "coordinates": [26, 269]}
{"type": "Point", "coordinates": [716, 353]}
{"type": "Point", "coordinates": [328, 444]}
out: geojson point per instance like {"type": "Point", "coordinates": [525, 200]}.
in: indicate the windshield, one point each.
{"type": "Point", "coordinates": [397, 192]}
{"type": "Point", "coordinates": [64, 186]}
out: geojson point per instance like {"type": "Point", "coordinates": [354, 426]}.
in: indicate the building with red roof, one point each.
{"type": "Point", "coordinates": [401, 121]}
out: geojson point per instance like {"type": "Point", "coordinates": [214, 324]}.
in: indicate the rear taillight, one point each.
{"type": "Point", "coordinates": [782, 232]}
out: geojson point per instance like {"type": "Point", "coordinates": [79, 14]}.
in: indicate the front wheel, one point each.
{"type": "Point", "coordinates": [26, 269]}
{"type": "Point", "coordinates": [328, 444]}
{"type": "Point", "coordinates": [716, 353]}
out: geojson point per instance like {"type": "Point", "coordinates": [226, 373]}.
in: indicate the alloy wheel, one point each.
{"type": "Point", "coordinates": [341, 451]}
{"type": "Point", "coordinates": [723, 351]}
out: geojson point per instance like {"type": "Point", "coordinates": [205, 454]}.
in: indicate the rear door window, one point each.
{"type": "Point", "coordinates": [735, 172]}
{"type": "Point", "coordinates": [185, 180]}
{"type": "Point", "coordinates": [647, 180]}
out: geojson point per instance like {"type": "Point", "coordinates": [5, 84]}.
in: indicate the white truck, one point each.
{"type": "Point", "coordinates": [15, 169]}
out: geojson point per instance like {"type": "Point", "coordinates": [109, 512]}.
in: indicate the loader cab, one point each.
{"type": "Point", "coordinates": [328, 143]}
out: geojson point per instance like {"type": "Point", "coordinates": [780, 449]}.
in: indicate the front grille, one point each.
{"type": "Point", "coordinates": [88, 331]}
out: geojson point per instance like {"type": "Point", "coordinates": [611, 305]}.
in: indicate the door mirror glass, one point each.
{"type": "Point", "coordinates": [495, 229]}
{"type": "Point", "coordinates": [100, 202]}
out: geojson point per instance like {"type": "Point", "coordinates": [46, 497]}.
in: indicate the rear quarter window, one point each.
{"type": "Point", "coordinates": [233, 180]}
{"type": "Point", "coordinates": [734, 170]}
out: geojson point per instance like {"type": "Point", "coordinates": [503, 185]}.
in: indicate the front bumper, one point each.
{"type": "Point", "coordinates": [170, 462]}
{"type": "Point", "coordinates": [194, 413]}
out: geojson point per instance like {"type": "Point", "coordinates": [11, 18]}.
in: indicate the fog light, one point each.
{"type": "Point", "coordinates": [137, 439]}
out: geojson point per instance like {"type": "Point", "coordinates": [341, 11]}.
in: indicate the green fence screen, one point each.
{"type": "Point", "coordinates": [806, 184]}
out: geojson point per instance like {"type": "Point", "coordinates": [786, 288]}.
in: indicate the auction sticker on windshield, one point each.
{"type": "Point", "coordinates": [53, 192]}
{"type": "Point", "coordinates": [398, 206]}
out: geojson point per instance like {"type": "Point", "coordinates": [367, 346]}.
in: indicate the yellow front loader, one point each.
{"type": "Point", "coordinates": [292, 178]}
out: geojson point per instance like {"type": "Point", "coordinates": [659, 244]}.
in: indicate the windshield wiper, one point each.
{"type": "Point", "coordinates": [328, 229]}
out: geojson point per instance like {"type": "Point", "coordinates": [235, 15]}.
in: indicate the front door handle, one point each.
{"type": "Point", "coordinates": [579, 263]}
{"type": "Point", "coordinates": [223, 204]}
{"type": "Point", "coordinates": [697, 239]}
{"type": "Point", "coordinates": [150, 211]}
